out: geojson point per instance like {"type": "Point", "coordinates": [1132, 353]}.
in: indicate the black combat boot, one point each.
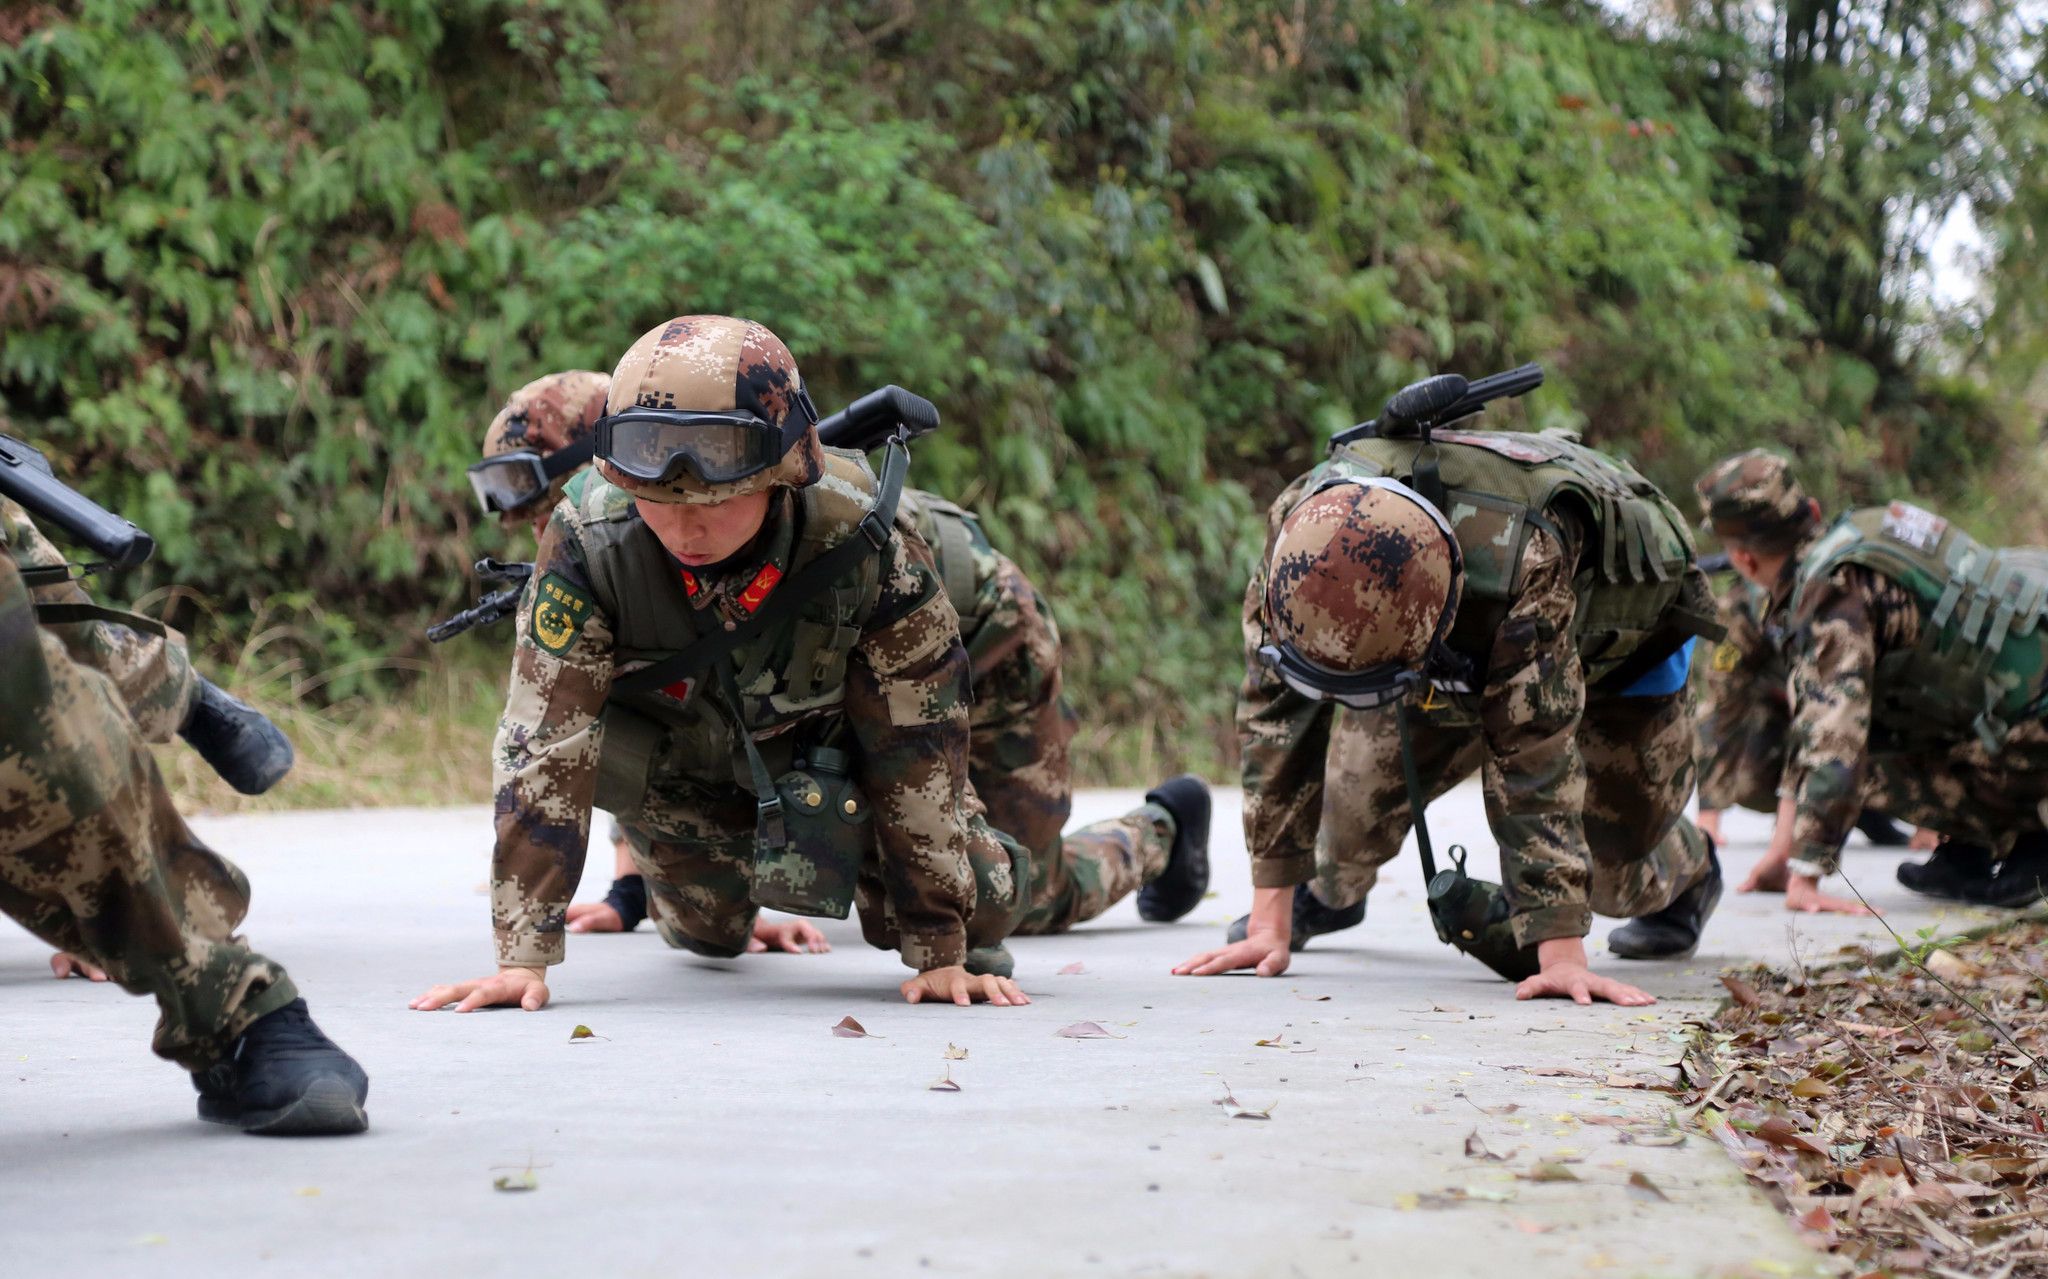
{"type": "Point", "coordinates": [1311, 919]}
{"type": "Point", "coordinates": [1957, 872]}
{"type": "Point", "coordinates": [1178, 889]}
{"type": "Point", "coordinates": [249, 752]}
{"type": "Point", "coordinates": [1673, 932]}
{"type": "Point", "coordinates": [1882, 831]}
{"type": "Point", "coordinates": [2021, 879]}
{"type": "Point", "coordinates": [284, 1078]}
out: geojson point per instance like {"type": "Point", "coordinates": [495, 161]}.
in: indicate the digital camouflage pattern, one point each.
{"type": "Point", "coordinates": [94, 858]}
{"type": "Point", "coordinates": [714, 364]}
{"type": "Point", "coordinates": [153, 673]}
{"type": "Point", "coordinates": [1745, 700]}
{"type": "Point", "coordinates": [1752, 498]}
{"type": "Point", "coordinates": [1020, 728]}
{"type": "Point", "coordinates": [1358, 576]}
{"type": "Point", "coordinates": [1837, 763]}
{"type": "Point", "coordinates": [547, 414]}
{"type": "Point", "coordinates": [1325, 798]}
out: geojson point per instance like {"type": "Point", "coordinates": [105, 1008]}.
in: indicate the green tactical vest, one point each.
{"type": "Point", "coordinates": [953, 533]}
{"type": "Point", "coordinates": [1983, 647]}
{"type": "Point", "coordinates": [1635, 605]}
{"type": "Point", "coordinates": [798, 668]}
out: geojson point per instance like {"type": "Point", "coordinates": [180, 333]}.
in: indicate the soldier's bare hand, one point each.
{"type": "Point", "coordinates": [1767, 876]}
{"type": "Point", "coordinates": [65, 964]}
{"type": "Point", "coordinates": [526, 987]}
{"type": "Point", "coordinates": [1803, 894]}
{"type": "Point", "coordinates": [1581, 985]}
{"type": "Point", "coordinates": [1264, 954]}
{"type": "Point", "coordinates": [961, 987]}
{"type": "Point", "coordinates": [797, 936]}
{"type": "Point", "coordinates": [594, 917]}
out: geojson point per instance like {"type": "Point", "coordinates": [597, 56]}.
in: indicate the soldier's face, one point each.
{"type": "Point", "coordinates": [707, 532]}
{"type": "Point", "coordinates": [1754, 567]}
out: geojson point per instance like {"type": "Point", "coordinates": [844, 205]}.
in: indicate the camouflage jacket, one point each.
{"type": "Point", "coordinates": [904, 696]}
{"type": "Point", "coordinates": [1528, 711]}
{"type": "Point", "coordinates": [153, 673]}
{"type": "Point", "coordinates": [1844, 625]}
{"type": "Point", "coordinates": [1745, 707]}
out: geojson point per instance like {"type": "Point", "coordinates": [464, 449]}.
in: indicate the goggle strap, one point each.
{"type": "Point", "coordinates": [563, 460]}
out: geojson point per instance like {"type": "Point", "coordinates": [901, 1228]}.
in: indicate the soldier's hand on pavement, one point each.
{"type": "Point", "coordinates": [526, 987]}
{"type": "Point", "coordinates": [1803, 894]}
{"type": "Point", "coordinates": [797, 936]}
{"type": "Point", "coordinates": [1266, 955]}
{"type": "Point", "coordinates": [957, 985]}
{"type": "Point", "coordinates": [65, 964]}
{"type": "Point", "coordinates": [1581, 985]}
{"type": "Point", "coordinates": [594, 917]}
{"type": "Point", "coordinates": [1767, 876]}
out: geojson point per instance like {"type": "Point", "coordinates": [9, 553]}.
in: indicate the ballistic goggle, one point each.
{"type": "Point", "coordinates": [505, 483]}
{"type": "Point", "coordinates": [656, 445]}
{"type": "Point", "coordinates": [1388, 682]}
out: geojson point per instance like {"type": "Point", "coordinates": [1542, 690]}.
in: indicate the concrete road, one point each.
{"type": "Point", "coordinates": [718, 1127]}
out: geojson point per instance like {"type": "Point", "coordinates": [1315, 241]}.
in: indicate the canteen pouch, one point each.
{"type": "Point", "coordinates": [1472, 915]}
{"type": "Point", "coordinates": [828, 830]}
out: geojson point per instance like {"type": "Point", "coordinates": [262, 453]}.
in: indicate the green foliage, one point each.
{"type": "Point", "coordinates": [267, 269]}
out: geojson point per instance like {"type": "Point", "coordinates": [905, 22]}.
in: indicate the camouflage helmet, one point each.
{"type": "Point", "coordinates": [715, 364]}
{"type": "Point", "coordinates": [1362, 582]}
{"type": "Point", "coordinates": [1752, 499]}
{"type": "Point", "coordinates": [547, 415]}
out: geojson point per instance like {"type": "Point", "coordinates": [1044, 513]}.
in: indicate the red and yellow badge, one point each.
{"type": "Point", "coordinates": [757, 590]}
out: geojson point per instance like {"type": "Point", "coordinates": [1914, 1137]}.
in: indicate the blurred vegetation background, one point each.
{"type": "Point", "coordinates": [267, 269]}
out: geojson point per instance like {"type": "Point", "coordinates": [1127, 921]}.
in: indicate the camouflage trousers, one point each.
{"type": "Point", "coordinates": [152, 672]}
{"type": "Point", "coordinates": [95, 859]}
{"type": "Point", "coordinates": [1637, 753]}
{"type": "Point", "coordinates": [1021, 728]}
{"type": "Point", "coordinates": [1966, 792]}
{"type": "Point", "coordinates": [1743, 768]}
{"type": "Point", "coordinates": [698, 860]}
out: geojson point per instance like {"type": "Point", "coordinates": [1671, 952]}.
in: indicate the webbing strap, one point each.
{"type": "Point", "coordinates": [956, 560]}
{"type": "Point", "coordinates": [72, 614]}
{"type": "Point", "coordinates": [1415, 801]}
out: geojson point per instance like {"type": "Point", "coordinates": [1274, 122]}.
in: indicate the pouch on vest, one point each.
{"type": "Point", "coordinates": [1469, 914]}
{"type": "Point", "coordinates": [829, 831]}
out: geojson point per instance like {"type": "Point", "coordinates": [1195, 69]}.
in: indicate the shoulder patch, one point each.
{"type": "Point", "coordinates": [560, 608]}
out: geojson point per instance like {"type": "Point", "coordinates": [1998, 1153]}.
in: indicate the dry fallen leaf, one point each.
{"type": "Point", "coordinates": [848, 1028]}
{"type": "Point", "coordinates": [584, 1032]}
{"type": "Point", "coordinates": [1743, 993]}
{"type": "Point", "coordinates": [955, 1053]}
{"type": "Point", "coordinates": [1651, 1137]}
{"type": "Point", "coordinates": [1312, 999]}
{"type": "Point", "coordinates": [1071, 969]}
{"type": "Point", "coordinates": [1642, 1187]}
{"type": "Point", "coordinates": [1548, 1171]}
{"type": "Point", "coordinates": [516, 1181]}
{"type": "Point", "coordinates": [945, 1083]}
{"type": "Point", "coordinates": [1951, 967]}
{"type": "Point", "coordinates": [1779, 1132]}
{"type": "Point", "coordinates": [1529, 1227]}
{"type": "Point", "coordinates": [1087, 1030]}
{"type": "Point", "coordinates": [1476, 1149]}
{"type": "Point", "coordinates": [1274, 1042]}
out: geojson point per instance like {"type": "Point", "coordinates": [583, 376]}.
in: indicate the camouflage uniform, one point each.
{"type": "Point", "coordinates": [1745, 713]}
{"type": "Point", "coordinates": [153, 672]}
{"type": "Point", "coordinates": [1020, 726]}
{"type": "Point", "coordinates": [883, 675]}
{"type": "Point", "coordinates": [1836, 628]}
{"type": "Point", "coordinates": [94, 857]}
{"type": "Point", "coordinates": [1584, 790]}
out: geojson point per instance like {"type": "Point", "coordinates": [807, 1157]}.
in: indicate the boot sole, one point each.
{"type": "Point", "coordinates": [327, 1108]}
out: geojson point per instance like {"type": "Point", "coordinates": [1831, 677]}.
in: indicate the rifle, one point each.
{"type": "Point", "coordinates": [868, 422]}
{"type": "Point", "coordinates": [25, 476]}
{"type": "Point", "coordinates": [495, 607]}
{"type": "Point", "coordinates": [1421, 407]}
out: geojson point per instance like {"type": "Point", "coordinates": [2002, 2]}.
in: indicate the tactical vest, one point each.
{"type": "Point", "coordinates": [1983, 648]}
{"type": "Point", "coordinates": [953, 533]}
{"type": "Point", "coordinates": [799, 668]}
{"type": "Point", "coordinates": [1637, 602]}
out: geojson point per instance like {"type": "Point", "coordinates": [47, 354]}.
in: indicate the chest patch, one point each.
{"type": "Point", "coordinates": [1904, 522]}
{"type": "Point", "coordinates": [560, 608]}
{"type": "Point", "coordinates": [1727, 657]}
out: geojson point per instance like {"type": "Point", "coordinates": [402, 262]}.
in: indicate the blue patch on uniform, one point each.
{"type": "Point", "coordinates": [1666, 677]}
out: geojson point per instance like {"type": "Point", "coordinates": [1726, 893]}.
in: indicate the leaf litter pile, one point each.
{"type": "Point", "coordinates": [1898, 1111]}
